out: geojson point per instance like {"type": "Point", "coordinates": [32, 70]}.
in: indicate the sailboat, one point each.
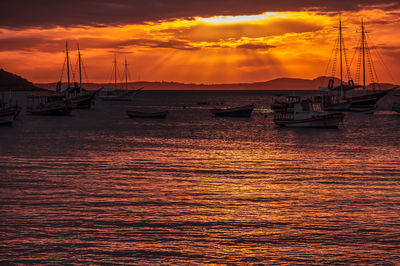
{"type": "Point", "coordinates": [330, 100]}
{"type": "Point", "coordinates": [365, 103]}
{"type": "Point", "coordinates": [79, 97]}
{"type": "Point", "coordinates": [115, 94]}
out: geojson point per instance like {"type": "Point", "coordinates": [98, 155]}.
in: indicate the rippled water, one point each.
{"type": "Point", "coordinates": [98, 187]}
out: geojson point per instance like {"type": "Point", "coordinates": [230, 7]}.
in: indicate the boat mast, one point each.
{"type": "Point", "coordinates": [66, 50]}
{"type": "Point", "coordinates": [126, 74]}
{"type": "Point", "coordinates": [80, 68]}
{"type": "Point", "coordinates": [115, 71]}
{"type": "Point", "coordinates": [363, 51]}
{"type": "Point", "coordinates": [341, 57]}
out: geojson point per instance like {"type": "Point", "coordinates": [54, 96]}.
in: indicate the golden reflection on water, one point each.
{"type": "Point", "coordinates": [196, 189]}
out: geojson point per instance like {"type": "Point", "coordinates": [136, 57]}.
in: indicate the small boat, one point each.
{"type": "Point", "coordinates": [8, 112]}
{"type": "Point", "coordinates": [308, 114]}
{"type": "Point", "coordinates": [48, 104]}
{"type": "Point", "coordinates": [242, 111]}
{"type": "Point", "coordinates": [396, 107]}
{"type": "Point", "coordinates": [141, 114]}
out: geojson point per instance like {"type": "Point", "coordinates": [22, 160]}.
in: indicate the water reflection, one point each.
{"type": "Point", "coordinates": [102, 188]}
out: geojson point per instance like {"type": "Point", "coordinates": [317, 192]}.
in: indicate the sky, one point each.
{"type": "Point", "coordinates": [204, 41]}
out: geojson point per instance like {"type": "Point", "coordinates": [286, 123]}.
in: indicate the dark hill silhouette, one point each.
{"type": "Point", "coordinates": [275, 84]}
{"type": "Point", "coordinates": [10, 81]}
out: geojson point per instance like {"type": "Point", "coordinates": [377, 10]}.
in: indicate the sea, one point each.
{"type": "Point", "coordinates": [97, 187]}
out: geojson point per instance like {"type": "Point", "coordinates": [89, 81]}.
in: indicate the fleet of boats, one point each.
{"type": "Point", "coordinates": [325, 109]}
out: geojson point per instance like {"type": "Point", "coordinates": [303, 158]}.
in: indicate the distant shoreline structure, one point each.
{"type": "Point", "coordinates": [10, 81]}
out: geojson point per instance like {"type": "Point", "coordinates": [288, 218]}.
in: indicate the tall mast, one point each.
{"type": "Point", "coordinates": [126, 74]}
{"type": "Point", "coordinates": [115, 71]}
{"type": "Point", "coordinates": [66, 51]}
{"type": "Point", "coordinates": [363, 51]}
{"type": "Point", "coordinates": [80, 68]}
{"type": "Point", "coordinates": [341, 57]}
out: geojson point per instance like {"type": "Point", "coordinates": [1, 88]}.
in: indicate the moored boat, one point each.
{"type": "Point", "coordinates": [308, 114]}
{"type": "Point", "coordinates": [6, 117]}
{"type": "Point", "coordinates": [396, 107]}
{"type": "Point", "coordinates": [110, 94]}
{"type": "Point", "coordinates": [79, 97]}
{"type": "Point", "coordinates": [8, 111]}
{"type": "Point", "coordinates": [147, 114]}
{"type": "Point", "coordinates": [242, 111]}
{"type": "Point", "coordinates": [48, 104]}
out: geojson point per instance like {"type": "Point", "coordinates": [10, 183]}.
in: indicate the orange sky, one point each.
{"type": "Point", "coordinates": [219, 49]}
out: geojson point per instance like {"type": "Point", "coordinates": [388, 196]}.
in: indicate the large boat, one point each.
{"type": "Point", "coordinates": [308, 114]}
{"type": "Point", "coordinates": [366, 102]}
{"type": "Point", "coordinates": [242, 111]}
{"type": "Point", "coordinates": [48, 104]}
{"type": "Point", "coordinates": [79, 97]}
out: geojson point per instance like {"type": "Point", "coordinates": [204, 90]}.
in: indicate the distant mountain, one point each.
{"type": "Point", "coordinates": [10, 81]}
{"type": "Point", "coordinates": [275, 84]}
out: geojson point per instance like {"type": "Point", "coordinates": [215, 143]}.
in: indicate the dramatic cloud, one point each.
{"type": "Point", "coordinates": [50, 13]}
{"type": "Point", "coordinates": [184, 41]}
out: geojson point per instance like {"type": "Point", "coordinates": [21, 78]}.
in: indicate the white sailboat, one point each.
{"type": "Point", "coordinates": [115, 94]}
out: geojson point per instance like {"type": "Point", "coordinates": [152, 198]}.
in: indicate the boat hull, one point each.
{"type": "Point", "coordinates": [140, 114]}
{"type": "Point", "coordinates": [7, 117]}
{"type": "Point", "coordinates": [321, 121]}
{"type": "Point", "coordinates": [244, 111]}
{"type": "Point", "coordinates": [338, 107]}
{"type": "Point", "coordinates": [363, 110]}
{"type": "Point", "coordinates": [368, 100]}
{"type": "Point", "coordinates": [84, 101]}
{"type": "Point", "coordinates": [396, 107]}
{"type": "Point", "coordinates": [62, 110]}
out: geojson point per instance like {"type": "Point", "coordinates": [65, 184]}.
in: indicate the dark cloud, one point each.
{"type": "Point", "coordinates": [46, 45]}
{"type": "Point", "coordinates": [255, 46]}
{"type": "Point", "coordinates": [51, 13]}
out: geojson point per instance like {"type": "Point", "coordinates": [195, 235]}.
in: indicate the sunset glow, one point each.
{"type": "Point", "coordinates": [218, 49]}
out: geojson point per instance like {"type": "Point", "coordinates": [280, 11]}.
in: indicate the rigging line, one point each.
{"type": "Point", "coordinates": [84, 71]}
{"type": "Point", "coordinates": [62, 69]}
{"type": "Point", "coordinates": [355, 52]}
{"type": "Point", "coordinates": [74, 71]}
{"type": "Point", "coordinates": [330, 59]}
{"type": "Point", "coordinates": [358, 67]}
{"type": "Point", "coordinates": [372, 62]}
{"type": "Point", "coordinates": [336, 56]}
{"type": "Point", "coordinates": [380, 57]}
{"type": "Point", "coordinates": [346, 62]}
